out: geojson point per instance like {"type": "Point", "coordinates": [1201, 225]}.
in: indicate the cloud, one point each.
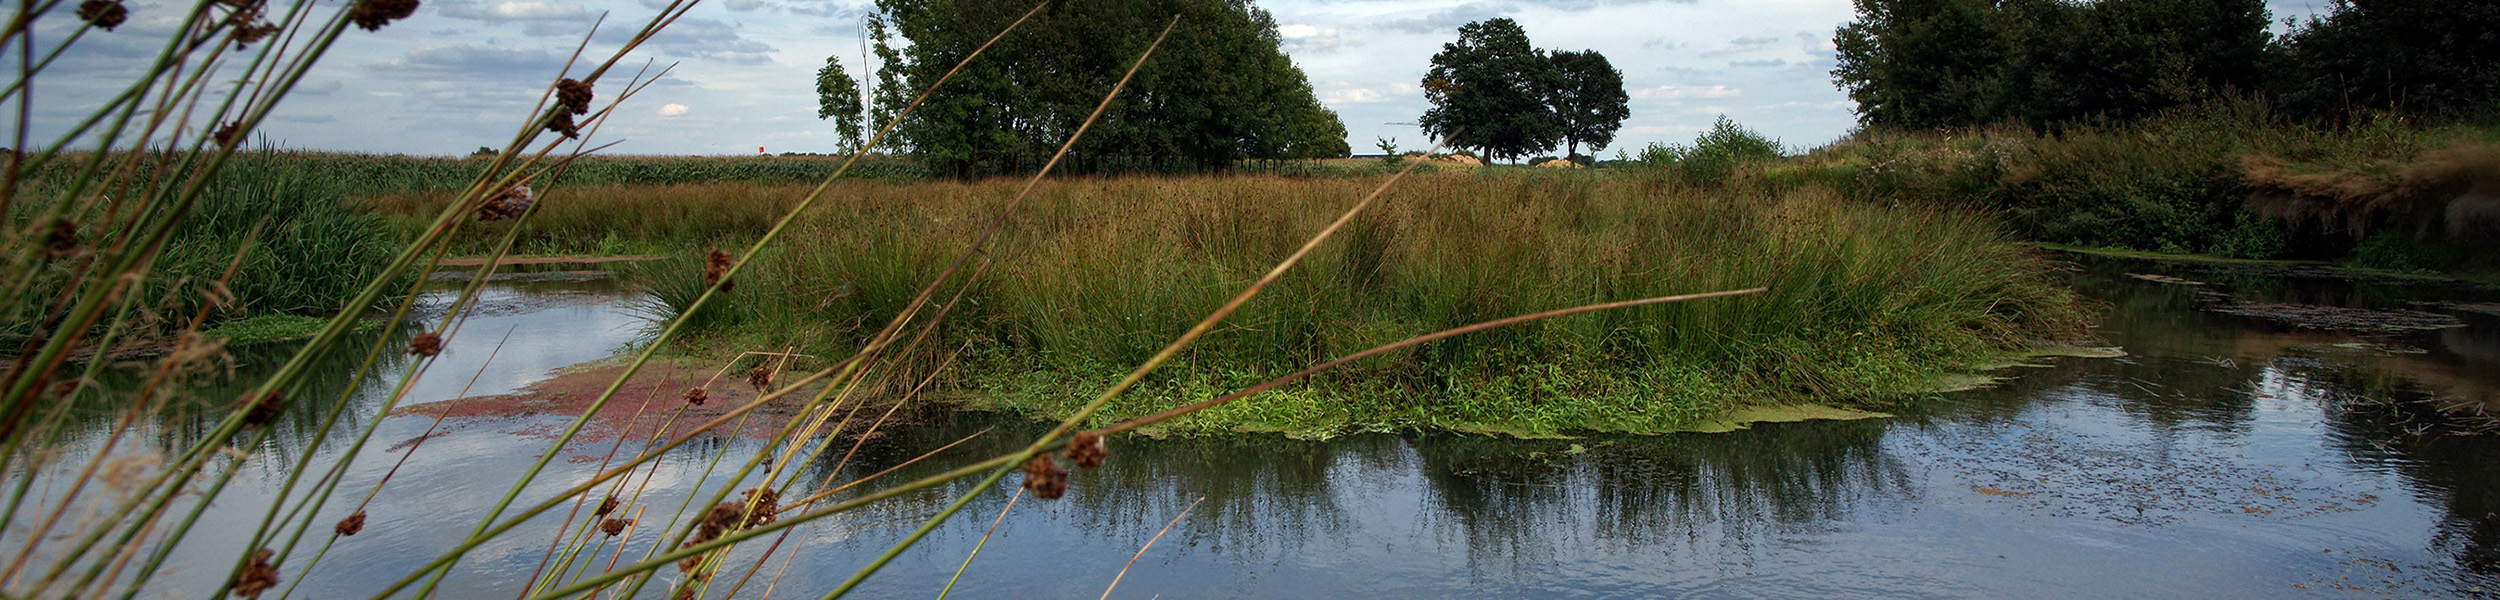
{"type": "Point", "coordinates": [1767, 62]}
{"type": "Point", "coordinates": [707, 38]}
{"type": "Point", "coordinates": [1743, 45]}
{"type": "Point", "coordinates": [672, 110]}
{"type": "Point", "coordinates": [1352, 96]}
{"type": "Point", "coordinates": [1674, 92]}
{"type": "Point", "coordinates": [478, 62]}
{"type": "Point", "coordinates": [518, 11]}
{"type": "Point", "coordinates": [1303, 36]}
{"type": "Point", "coordinates": [1448, 20]}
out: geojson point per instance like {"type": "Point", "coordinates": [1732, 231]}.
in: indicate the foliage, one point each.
{"type": "Point", "coordinates": [1218, 91]}
{"type": "Point", "coordinates": [1588, 96]}
{"type": "Point", "coordinates": [2428, 57]}
{"type": "Point", "coordinates": [1715, 155]}
{"type": "Point", "coordinates": [837, 98]}
{"type": "Point", "coordinates": [1488, 91]}
{"type": "Point", "coordinates": [1947, 63]}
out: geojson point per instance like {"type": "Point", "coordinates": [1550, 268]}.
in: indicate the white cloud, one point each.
{"type": "Point", "coordinates": [1307, 37]}
{"type": "Point", "coordinates": [671, 110]}
{"type": "Point", "coordinates": [519, 11]}
{"type": "Point", "coordinates": [1677, 92]}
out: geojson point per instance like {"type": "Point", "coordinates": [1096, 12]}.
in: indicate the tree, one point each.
{"type": "Point", "coordinates": [2429, 57]}
{"type": "Point", "coordinates": [1488, 91]}
{"type": "Point", "coordinates": [1955, 63]}
{"type": "Point", "coordinates": [1218, 91]}
{"type": "Point", "coordinates": [1590, 101]}
{"type": "Point", "coordinates": [837, 98]}
{"type": "Point", "coordinates": [1924, 63]}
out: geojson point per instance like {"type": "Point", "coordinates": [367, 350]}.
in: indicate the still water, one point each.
{"type": "Point", "coordinates": [2226, 456]}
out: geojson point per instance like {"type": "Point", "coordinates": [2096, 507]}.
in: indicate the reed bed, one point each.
{"type": "Point", "coordinates": [1867, 305]}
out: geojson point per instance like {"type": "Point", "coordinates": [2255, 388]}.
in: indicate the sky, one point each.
{"type": "Point", "coordinates": [462, 73]}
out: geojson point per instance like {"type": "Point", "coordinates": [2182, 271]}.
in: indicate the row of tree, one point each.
{"type": "Point", "coordinates": [1942, 63]}
{"type": "Point", "coordinates": [1493, 91]}
{"type": "Point", "coordinates": [1217, 92]}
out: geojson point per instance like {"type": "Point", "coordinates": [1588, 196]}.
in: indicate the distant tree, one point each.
{"type": "Point", "coordinates": [2430, 57]}
{"type": "Point", "coordinates": [1949, 63]}
{"type": "Point", "coordinates": [837, 98]}
{"type": "Point", "coordinates": [1488, 91]}
{"type": "Point", "coordinates": [1924, 63]}
{"type": "Point", "coordinates": [1220, 90]}
{"type": "Point", "coordinates": [1589, 100]}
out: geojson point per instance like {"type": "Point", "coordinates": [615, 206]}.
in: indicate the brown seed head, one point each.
{"type": "Point", "coordinates": [612, 527]}
{"type": "Point", "coordinates": [373, 14]}
{"type": "Point", "coordinates": [1043, 477]}
{"type": "Point", "coordinates": [227, 134]}
{"type": "Point", "coordinates": [352, 524]}
{"type": "Point", "coordinates": [246, 27]}
{"type": "Point", "coordinates": [107, 14]}
{"type": "Point", "coordinates": [723, 517]}
{"type": "Point", "coordinates": [761, 377]}
{"type": "Point", "coordinates": [512, 203]}
{"type": "Point", "coordinates": [573, 96]}
{"type": "Point", "coordinates": [258, 577]}
{"type": "Point", "coordinates": [696, 396]}
{"type": "Point", "coordinates": [262, 411]}
{"type": "Point", "coordinates": [426, 344]}
{"type": "Point", "coordinates": [766, 507]}
{"type": "Point", "coordinates": [684, 593]}
{"type": "Point", "coordinates": [1087, 450]}
{"type": "Point", "coordinates": [716, 268]}
{"type": "Point", "coordinates": [607, 505]}
{"type": "Point", "coordinates": [562, 123]}
{"type": "Point", "coordinates": [62, 241]}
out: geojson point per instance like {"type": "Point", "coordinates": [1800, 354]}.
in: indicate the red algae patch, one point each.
{"type": "Point", "coordinates": [642, 407]}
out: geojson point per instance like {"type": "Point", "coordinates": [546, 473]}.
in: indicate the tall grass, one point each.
{"type": "Point", "coordinates": [2195, 181]}
{"type": "Point", "coordinates": [1866, 303]}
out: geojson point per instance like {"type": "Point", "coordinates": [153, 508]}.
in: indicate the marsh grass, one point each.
{"type": "Point", "coordinates": [1867, 302]}
{"type": "Point", "coordinates": [2223, 180]}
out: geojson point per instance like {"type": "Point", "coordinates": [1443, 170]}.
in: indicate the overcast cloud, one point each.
{"type": "Point", "coordinates": [458, 75]}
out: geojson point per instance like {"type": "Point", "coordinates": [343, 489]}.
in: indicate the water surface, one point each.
{"type": "Point", "coordinates": [2225, 457]}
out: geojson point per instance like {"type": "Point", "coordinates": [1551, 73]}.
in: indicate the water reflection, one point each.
{"type": "Point", "coordinates": [2225, 456]}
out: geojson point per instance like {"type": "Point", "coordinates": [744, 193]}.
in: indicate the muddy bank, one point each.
{"type": "Point", "coordinates": [654, 402]}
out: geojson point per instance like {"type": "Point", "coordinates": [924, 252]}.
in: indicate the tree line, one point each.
{"type": "Point", "coordinates": [1495, 92]}
{"type": "Point", "coordinates": [2050, 63]}
{"type": "Point", "coordinates": [1217, 92]}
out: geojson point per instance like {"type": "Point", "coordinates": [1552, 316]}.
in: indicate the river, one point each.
{"type": "Point", "coordinates": [2225, 456]}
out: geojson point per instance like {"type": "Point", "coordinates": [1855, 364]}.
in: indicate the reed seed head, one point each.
{"type": "Point", "coordinates": [1087, 450]}
{"type": "Point", "coordinates": [607, 505]}
{"type": "Point", "coordinates": [562, 123]}
{"type": "Point", "coordinates": [722, 518]}
{"type": "Point", "coordinates": [613, 527]}
{"type": "Point", "coordinates": [512, 203]}
{"type": "Point", "coordinates": [62, 241]}
{"type": "Point", "coordinates": [573, 96]}
{"type": "Point", "coordinates": [1044, 478]}
{"type": "Point", "coordinates": [373, 14]}
{"type": "Point", "coordinates": [258, 577]}
{"type": "Point", "coordinates": [716, 270]}
{"type": "Point", "coordinates": [245, 27]}
{"type": "Point", "coordinates": [107, 14]}
{"type": "Point", "coordinates": [228, 134]}
{"type": "Point", "coordinates": [696, 396]}
{"type": "Point", "coordinates": [761, 377]}
{"type": "Point", "coordinates": [261, 411]}
{"type": "Point", "coordinates": [427, 344]}
{"type": "Point", "coordinates": [767, 505]}
{"type": "Point", "coordinates": [352, 524]}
